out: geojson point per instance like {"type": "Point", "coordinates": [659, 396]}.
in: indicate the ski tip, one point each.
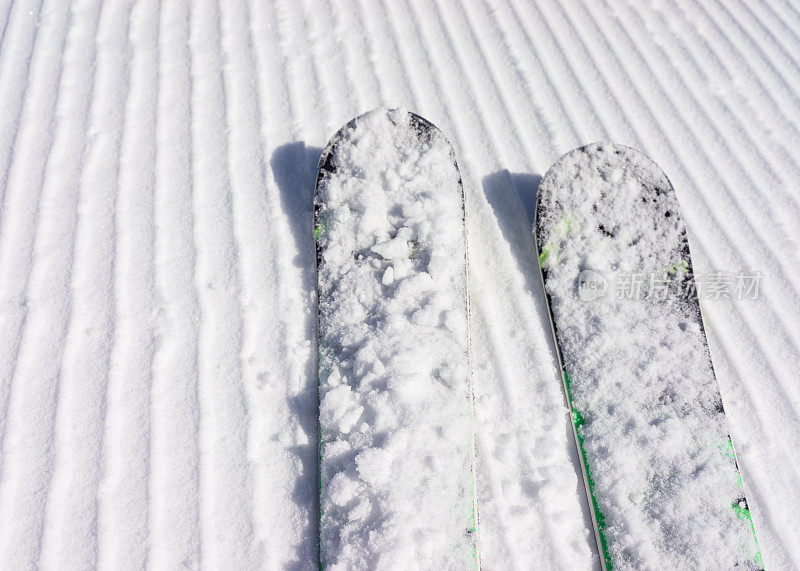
{"type": "Point", "coordinates": [424, 130]}
{"type": "Point", "coordinates": [398, 115]}
{"type": "Point", "coordinates": [601, 154]}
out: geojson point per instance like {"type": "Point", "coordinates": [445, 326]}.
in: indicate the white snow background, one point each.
{"type": "Point", "coordinates": [158, 390]}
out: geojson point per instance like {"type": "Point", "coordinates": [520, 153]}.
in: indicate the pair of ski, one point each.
{"type": "Point", "coordinates": [397, 469]}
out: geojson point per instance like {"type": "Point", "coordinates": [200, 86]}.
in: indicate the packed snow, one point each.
{"type": "Point", "coordinates": [395, 413]}
{"type": "Point", "coordinates": [645, 399]}
{"type": "Point", "coordinates": [158, 313]}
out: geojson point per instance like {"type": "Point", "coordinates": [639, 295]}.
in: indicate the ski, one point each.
{"type": "Point", "coordinates": [396, 452]}
{"type": "Point", "coordinates": [658, 463]}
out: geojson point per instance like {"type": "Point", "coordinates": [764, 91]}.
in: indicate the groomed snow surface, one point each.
{"type": "Point", "coordinates": [158, 379]}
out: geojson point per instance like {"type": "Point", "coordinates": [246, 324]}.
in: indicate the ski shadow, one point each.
{"type": "Point", "coordinates": [294, 168]}
{"type": "Point", "coordinates": [512, 197]}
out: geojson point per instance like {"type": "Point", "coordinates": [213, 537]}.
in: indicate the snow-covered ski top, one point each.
{"type": "Point", "coordinates": [646, 406]}
{"type": "Point", "coordinates": [396, 453]}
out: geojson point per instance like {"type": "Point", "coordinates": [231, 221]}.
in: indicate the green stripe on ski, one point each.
{"type": "Point", "coordinates": [321, 227]}
{"type": "Point", "coordinates": [543, 256]}
{"type": "Point", "coordinates": [742, 512]}
{"type": "Point", "coordinates": [600, 518]}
